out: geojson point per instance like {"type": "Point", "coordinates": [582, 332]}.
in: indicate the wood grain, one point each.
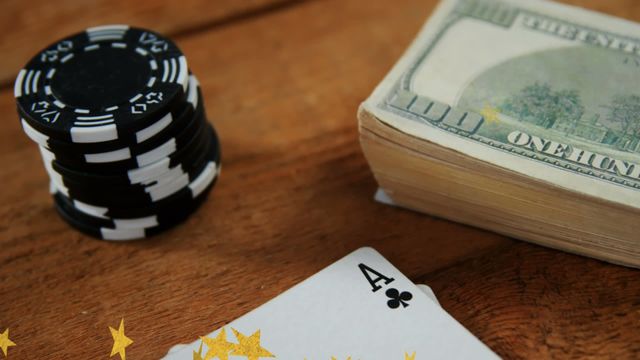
{"type": "Point", "coordinates": [295, 195]}
{"type": "Point", "coordinates": [546, 304]}
{"type": "Point", "coordinates": [27, 27]}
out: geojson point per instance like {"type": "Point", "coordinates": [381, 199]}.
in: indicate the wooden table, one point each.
{"type": "Point", "coordinates": [282, 82]}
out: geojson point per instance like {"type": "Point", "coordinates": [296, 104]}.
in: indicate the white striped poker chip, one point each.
{"type": "Point", "coordinates": [125, 153]}
{"type": "Point", "coordinates": [136, 228]}
{"type": "Point", "coordinates": [122, 230]}
{"type": "Point", "coordinates": [193, 188]}
{"type": "Point", "coordinates": [159, 180]}
{"type": "Point", "coordinates": [113, 107]}
{"type": "Point", "coordinates": [199, 144]}
{"type": "Point", "coordinates": [129, 79]}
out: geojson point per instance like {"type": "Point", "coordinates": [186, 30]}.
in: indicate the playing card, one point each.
{"type": "Point", "coordinates": [424, 288]}
{"type": "Point", "coordinates": [430, 294]}
{"type": "Point", "coordinates": [361, 307]}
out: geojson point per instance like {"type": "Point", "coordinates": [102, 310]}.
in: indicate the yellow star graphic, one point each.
{"type": "Point", "coordinates": [490, 113]}
{"type": "Point", "coordinates": [249, 346]}
{"type": "Point", "coordinates": [334, 358]}
{"type": "Point", "coordinates": [198, 355]}
{"type": "Point", "coordinates": [120, 341]}
{"type": "Point", "coordinates": [410, 357]}
{"type": "Point", "coordinates": [218, 347]}
{"type": "Point", "coordinates": [5, 342]}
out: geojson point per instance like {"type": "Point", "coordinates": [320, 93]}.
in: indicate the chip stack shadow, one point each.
{"type": "Point", "coordinates": [122, 130]}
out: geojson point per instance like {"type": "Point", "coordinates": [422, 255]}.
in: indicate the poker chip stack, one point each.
{"type": "Point", "coordinates": [122, 130]}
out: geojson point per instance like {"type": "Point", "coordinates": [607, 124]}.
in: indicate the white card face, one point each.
{"type": "Point", "coordinates": [360, 307]}
{"type": "Point", "coordinates": [430, 294]}
{"type": "Point", "coordinates": [424, 288]}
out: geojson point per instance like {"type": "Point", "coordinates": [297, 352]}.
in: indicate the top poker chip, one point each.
{"type": "Point", "coordinates": [103, 84]}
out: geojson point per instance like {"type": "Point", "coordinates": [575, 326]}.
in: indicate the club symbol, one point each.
{"type": "Point", "coordinates": [397, 298]}
{"type": "Point", "coordinates": [154, 97]}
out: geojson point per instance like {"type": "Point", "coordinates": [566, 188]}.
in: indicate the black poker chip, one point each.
{"type": "Point", "coordinates": [191, 131]}
{"type": "Point", "coordinates": [127, 229]}
{"type": "Point", "coordinates": [172, 124]}
{"type": "Point", "coordinates": [177, 202]}
{"type": "Point", "coordinates": [186, 157]}
{"type": "Point", "coordinates": [146, 193]}
{"type": "Point", "coordinates": [102, 84]}
{"type": "Point", "coordinates": [122, 130]}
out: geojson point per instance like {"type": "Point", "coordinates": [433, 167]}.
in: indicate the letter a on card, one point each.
{"type": "Point", "coordinates": [367, 272]}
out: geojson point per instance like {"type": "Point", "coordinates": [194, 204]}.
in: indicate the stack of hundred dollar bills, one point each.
{"type": "Point", "coordinates": [522, 117]}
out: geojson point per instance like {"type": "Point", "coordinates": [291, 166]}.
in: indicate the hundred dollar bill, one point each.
{"type": "Point", "coordinates": [543, 89]}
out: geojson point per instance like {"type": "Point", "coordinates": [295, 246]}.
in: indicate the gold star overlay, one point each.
{"type": "Point", "coordinates": [490, 113]}
{"type": "Point", "coordinates": [5, 342]}
{"type": "Point", "coordinates": [120, 341]}
{"type": "Point", "coordinates": [198, 355]}
{"type": "Point", "coordinates": [410, 357]}
{"type": "Point", "coordinates": [218, 347]}
{"type": "Point", "coordinates": [249, 346]}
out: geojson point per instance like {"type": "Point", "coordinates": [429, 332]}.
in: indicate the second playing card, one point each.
{"type": "Point", "coordinates": [360, 307]}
